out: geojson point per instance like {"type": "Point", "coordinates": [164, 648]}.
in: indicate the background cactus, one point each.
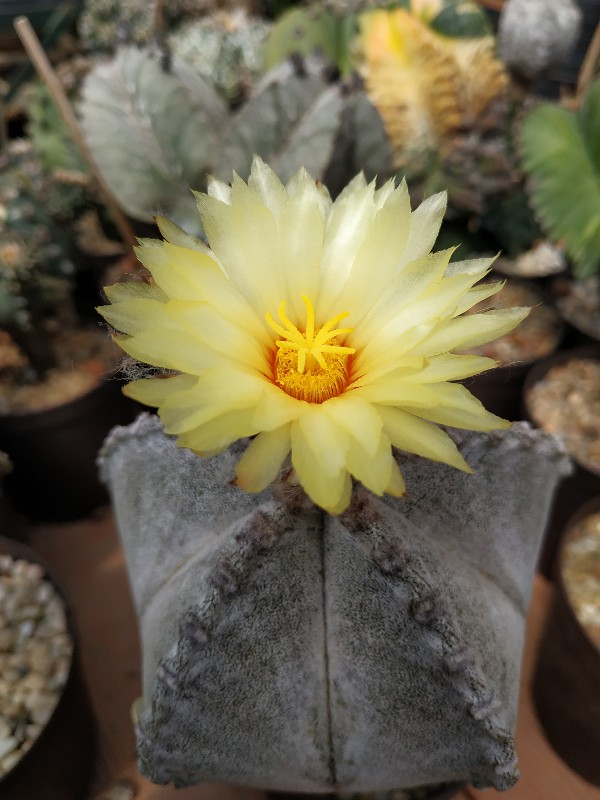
{"type": "Point", "coordinates": [561, 157]}
{"type": "Point", "coordinates": [226, 49]}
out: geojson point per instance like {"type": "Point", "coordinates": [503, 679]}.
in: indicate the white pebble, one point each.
{"type": "Point", "coordinates": [7, 745]}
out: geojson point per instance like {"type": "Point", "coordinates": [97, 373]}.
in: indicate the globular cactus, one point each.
{"type": "Point", "coordinates": [289, 649]}
{"type": "Point", "coordinates": [443, 99]}
{"type": "Point", "coordinates": [226, 49]}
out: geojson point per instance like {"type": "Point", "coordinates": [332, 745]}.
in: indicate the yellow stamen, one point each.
{"type": "Point", "coordinates": [312, 365]}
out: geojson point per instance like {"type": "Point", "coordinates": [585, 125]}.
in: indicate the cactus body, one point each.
{"type": "Point", "coordinates": [292, 650]}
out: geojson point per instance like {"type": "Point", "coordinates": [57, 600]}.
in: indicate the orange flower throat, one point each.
{"type": "Point", "coordinates": [310, 366]}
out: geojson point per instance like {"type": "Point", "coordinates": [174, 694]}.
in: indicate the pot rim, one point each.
{"type": "Point", "coordinates": [19, 550]}
{"type": "Point", "coordinates": [590, 352]}
{"type": "Point", "coordinates": [588, 508]}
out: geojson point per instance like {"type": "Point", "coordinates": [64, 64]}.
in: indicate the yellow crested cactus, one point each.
{"type": "Point", "coordinates": [324, 329]}
{"type": "Point", "coordinates": [428, 88]}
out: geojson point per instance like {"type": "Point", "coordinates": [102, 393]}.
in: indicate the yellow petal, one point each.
{"type": "Point", "coordinates": [414, 435]}
{"type": "Point", "coordinates": [396, 487]}
{"type": "Point", "coordinates": [328, 490]}
{"type": "Point", "coordinates": [449, 367]}
{"type": "Point", "coordinates": [220, 334]}
{"type": "Point", "coordinates": [128, 290]}
{"type": "Point", "coordinates": [220, 432]}
{"type": "Point", "coordinates": [136, 315]}
{"type": "Point", "coordinates": [357, 417]}
{"type": "Point", "coordinates": [170, 349]}
{"type": "Point", "coordinates": [177, 236]}
{"type": "Point", "coordinates": [263, 458]}
{"type": "Point", "coordinates": [466, 332]}
{"type": "Point", "coordinates": [375, 471]}
{"type": "Point", "coordinates": [276, 408]}
{"type": "Point", "coordinates": [397, 392]}
{"type": "Point", "coordinates": [154, 391]}
{"type": "Point", "coordinates": [327, 441]}
{"type": "Point", "coordinates": [458, 408]}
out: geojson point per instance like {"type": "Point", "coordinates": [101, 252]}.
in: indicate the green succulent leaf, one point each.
{"type": "Point", "coordinates": [291, 123]}
{"type": "Point", "coordinates": [461, 18]}
{"type": "Point", "coordinates": [153, 134]}
{"type": "Point", "coordinates": [300, 31]}
{"type": "Point", "coordinates": [560, 157]}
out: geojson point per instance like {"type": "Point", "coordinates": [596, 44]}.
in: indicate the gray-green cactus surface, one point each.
{"type": "Point", "coordinates": [288, 649]}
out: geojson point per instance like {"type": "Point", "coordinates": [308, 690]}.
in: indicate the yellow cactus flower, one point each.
{"type": "Point", "coordinates": [320, 328]}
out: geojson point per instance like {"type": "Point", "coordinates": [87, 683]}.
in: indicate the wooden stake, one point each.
{"type": "Point", "coordinates": [588, 68]}
{"type": "Point", "coordinates": [38, 57]}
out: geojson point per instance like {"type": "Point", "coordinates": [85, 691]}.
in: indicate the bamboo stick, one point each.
{"type": "Point", "coordinates": [40, 61]}
{"type": "Point", "coordinates": [588, 68]}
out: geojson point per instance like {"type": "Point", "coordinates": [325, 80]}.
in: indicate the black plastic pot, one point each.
{"type": "Point", "coordinates": [436, 793]}
{"type": "Point", "coordinates": [54, 453]}
{"type": "Point", "coordinates": [567, 677]}
{"type": "Point", "coordinates": [574, 490]}
{"type": "Point", "coordinates": [59, 765]}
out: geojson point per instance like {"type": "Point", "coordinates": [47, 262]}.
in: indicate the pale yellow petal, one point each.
{"type": "Point", "coordinates": [471, 266]}
{"type": "Point", "coordinates": [130, 289]}
{"type": "Point", "coordinates": [220, 334]}
{"type": "Point", "coordinates": [397, 305]}
{"type": "Point", "coordinates": [377, 258]}
{"type": "Point", "coordinates": [178, 271]}
{"type": "Point", "coordinates": [170, 349]}
{"type": "Point", "coordinates": [267, 186]}
{"type": "Point", "coordinates": [398, 393]}
{"type": "Point", "coordinates": [396, 487]}
{"type": "Point", "coordinates": [425, 224]}
{"type": "Point", "coordinates": [138, 314]}
{"type": "Point", "coordinates": [219, 432]}
{"type": "Point", "coordinates": [347, 226]}
{"type": "Point", "coordinates": [328, 490]}
{"type": "Point", "coordinates": [177, 236]}
{"type": "Point", "coordinates": [460, 409]}
{"type": "Point", "coordinates": [219, 190]}
{"type": "Point", "coordinates": [154, 391]}
{"type": "Point", "coordinates": [477, 294]}
{"type": "Point", "coordinates": [263, 458]}
{"type": "Point", "coordinates": [470, 331]}
{"type": "Point", "coordinates": [408, 432]}
{"type": "Point", "coordinates": [219, 390]}
{"type": "Point", "coordinates": [357, 417]}
{"type": "Point", "coordinates": [345, 496]}
{"type": "Point", "coordinates": [449, 367]}
{"type": "Point", "coordinates": [373, 471]}
{"type": "Point", "coordinates": [276, 408]}
{"type": "Point", "coordinates": [327, 441]}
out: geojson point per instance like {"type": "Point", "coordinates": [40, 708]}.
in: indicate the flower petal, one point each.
{"type": "Point", "coordinates": [357, 417]}
{"type": "Point", "coordinates": [373, 471]}
{"type": "Point", "coordinates": [449, 367]}
{"type": "Point", "coordinates": [177, 236]}
{"type": "Point", "coordinates": [220, 432]}
{"type": "Point", "coordinates": [154, 391]}
{"type": "Point", "coordinates": [263, 458]}
{"type": "Point", "coordinates": [465, 332]}
{"type": "Point", "coordinates": [220, 334]}
{"type": "Point", "coordinates": [327, 441]}
{"type": "Point", "coordinates": [170, 349]}
{"type": "Point", "coordinates": [414, 435]}
{"type": "Point", "coordinates": [138, 314]}
{"type": "Point", "coordinates": [425, 224]}
{"type": "Point", "coordinates": [458, 408]}
{"type": "Point", "coordinates": [327, 489]}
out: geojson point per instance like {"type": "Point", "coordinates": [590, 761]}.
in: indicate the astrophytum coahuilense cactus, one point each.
{"type": "Point", "coordinates": [289, 649]}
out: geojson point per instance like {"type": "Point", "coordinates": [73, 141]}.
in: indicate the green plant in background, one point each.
{"type": "Point", "coordinates": [560, 150]}
{"type": "Point", "coordinates": [36, 259]}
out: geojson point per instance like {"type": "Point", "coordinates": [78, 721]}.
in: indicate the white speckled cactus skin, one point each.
{"type": "Point", "coordinates": [287, 649]}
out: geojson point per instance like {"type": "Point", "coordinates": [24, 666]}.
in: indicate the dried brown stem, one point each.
{"type": "Point", "coordinates": [44, 69]}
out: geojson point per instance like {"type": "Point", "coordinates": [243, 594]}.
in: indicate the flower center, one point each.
{"type": "Point", "coordinates": [310, 366]}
